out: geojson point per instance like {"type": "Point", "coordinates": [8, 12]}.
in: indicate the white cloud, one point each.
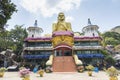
{"type": "Point", "coordinates": [69, 19]}
{"type": "Point", "coordinates": [49, 7]}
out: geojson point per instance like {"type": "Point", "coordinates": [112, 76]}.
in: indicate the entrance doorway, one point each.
{"type": "Point", "coordinates": [63, 60]}
{"type": "Point", "coordinates": [62, 52]}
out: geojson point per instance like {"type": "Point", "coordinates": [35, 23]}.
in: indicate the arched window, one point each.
{"type": "Point", "coordinates": [93, 34]}
{"type": "Point", "coordinates": [32, 35]}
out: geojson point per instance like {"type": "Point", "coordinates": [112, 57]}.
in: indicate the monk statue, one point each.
{"type": "Point", "coordinates": [62, 32]}
{"type": "Point", "coordinates": [61, 25]}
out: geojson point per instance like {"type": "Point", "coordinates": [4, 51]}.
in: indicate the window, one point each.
{"type": "Point", "coordinates": [32, 35]}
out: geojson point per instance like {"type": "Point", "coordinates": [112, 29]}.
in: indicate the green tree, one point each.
{"type": "Point", "coordinates": [18, 34]}
{"type": "Point", "coordinates": [111, 38]}
{"type": "Point", "coordinates": [5, 40]}
{"type": "Point", "coordinates": [112, 34]}
{"type": "Point", "coordinates": [110, 60]}
{"type": "Point", "coordinates": [111, 41]}
{"type": "Point", "coordinates": [7, 8]}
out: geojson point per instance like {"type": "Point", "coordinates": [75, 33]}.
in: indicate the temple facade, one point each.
{"type": "Point", "coordinates": [63, 50]}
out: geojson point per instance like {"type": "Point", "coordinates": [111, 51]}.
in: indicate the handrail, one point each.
{"type": "Point", "coordinates": [77, 61]}
{"type": "Point", "coordinates": [49, 62]}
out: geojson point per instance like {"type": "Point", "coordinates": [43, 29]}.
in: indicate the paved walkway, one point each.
{"type": "Point", "coordinates": [59, 76]}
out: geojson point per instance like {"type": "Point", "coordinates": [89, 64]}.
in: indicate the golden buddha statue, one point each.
{"type": "Point", "coordinates": [62, 32]}
{"type": "Point", "coordinates": [61, 25]}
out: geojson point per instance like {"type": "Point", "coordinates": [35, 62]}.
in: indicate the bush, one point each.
{"type": "Point", "coordinates": [104, 52]}
{"type": "Point", "coordinates": [90, 67]}
{"type": "Point", "coordinates": [3, 69]}
{"type": "Point", "coordinates": [110, 60]}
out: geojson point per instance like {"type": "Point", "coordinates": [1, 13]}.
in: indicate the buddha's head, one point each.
{"type": "Point", "coordinates": [61, 16]}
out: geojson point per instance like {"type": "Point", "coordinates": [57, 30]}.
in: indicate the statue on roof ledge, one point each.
{"type": "Point", "coordinates": [61, 25]}
{"type": "Point", "coordinates": [62, 32]}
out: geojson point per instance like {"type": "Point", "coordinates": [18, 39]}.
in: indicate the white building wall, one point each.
{"type": "Point", "coordinates": [35, 33]}
{"type": "Point", "coordinates": [89, 31]}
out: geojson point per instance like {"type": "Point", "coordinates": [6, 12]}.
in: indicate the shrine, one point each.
{"type": "Point", "coordinates": [64, 50]}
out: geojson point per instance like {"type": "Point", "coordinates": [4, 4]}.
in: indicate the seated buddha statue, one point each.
{"type": "Point", "coordinates": [62, 32]}
{"type": "Point", "coordinates": [61, 25]}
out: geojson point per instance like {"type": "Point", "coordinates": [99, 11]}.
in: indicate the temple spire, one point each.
{"type": "Point", "coordinates": [89, 22]}
{"type": "Point", "coordinates": [35, 24]}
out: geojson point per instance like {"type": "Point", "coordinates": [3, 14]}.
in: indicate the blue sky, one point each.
{"type": "Point", "coordinates": [104, 13]}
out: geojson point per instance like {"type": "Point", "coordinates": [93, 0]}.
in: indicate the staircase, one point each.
{"type": "Point", "coordinates": [64, 64]}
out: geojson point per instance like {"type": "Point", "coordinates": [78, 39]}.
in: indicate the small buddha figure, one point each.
{"type": "Point", "coordinates": [61, 25]}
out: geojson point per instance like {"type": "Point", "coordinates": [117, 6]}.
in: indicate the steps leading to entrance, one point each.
{"type": "Point", "coordinates": [64, 64]}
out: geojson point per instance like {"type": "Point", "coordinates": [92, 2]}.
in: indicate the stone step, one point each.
{"type": "Point", "coordinates": [64, 64]}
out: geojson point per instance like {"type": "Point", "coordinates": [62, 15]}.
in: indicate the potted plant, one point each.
{"type": "Point", "coordinates": [25, 73]}
{"type": "Point", "coordinates": [113, 73]}
{"type": "Point", "coordinates": [90, 68]}
{"type": "Point", "coordinates": [41, 72]}
{"type": "Point", "coordinates": [2, 71]}
{"type": "Point", "coordinates": [80, 68]}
